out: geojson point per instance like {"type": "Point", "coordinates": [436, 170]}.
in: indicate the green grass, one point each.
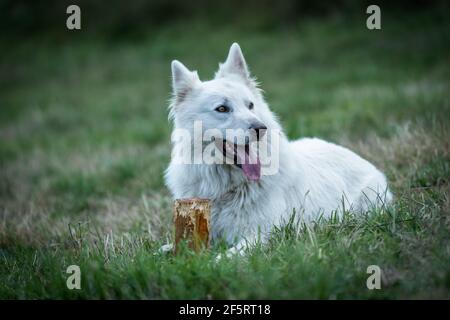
{"type": "Point", "coordinates": [85, 140]}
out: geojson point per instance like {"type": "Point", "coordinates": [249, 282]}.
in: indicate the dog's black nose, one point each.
{"type": "Point", "coordinates": [260, 130]}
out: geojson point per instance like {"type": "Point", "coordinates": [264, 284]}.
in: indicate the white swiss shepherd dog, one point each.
{"type": "Point", "coordinates": [313, 177]}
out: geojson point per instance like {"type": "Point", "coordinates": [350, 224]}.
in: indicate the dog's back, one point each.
{"type": "Point", "coordinates": [336, 175]}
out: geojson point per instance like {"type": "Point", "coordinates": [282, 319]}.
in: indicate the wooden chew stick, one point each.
{"type": "Point", "coordinates": [191, 219]}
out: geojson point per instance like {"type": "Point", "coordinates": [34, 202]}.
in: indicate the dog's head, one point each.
{"type": "Point", "coordinates": [229, 108]}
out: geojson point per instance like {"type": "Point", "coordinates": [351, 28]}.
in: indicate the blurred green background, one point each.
{"type": "Point", "coordinates": [85, 136]}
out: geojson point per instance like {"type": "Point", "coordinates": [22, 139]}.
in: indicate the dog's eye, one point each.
{"type": "Point", "coordinates": [222, 109]}
{"type": "Point", "coordinates": [250, 105]}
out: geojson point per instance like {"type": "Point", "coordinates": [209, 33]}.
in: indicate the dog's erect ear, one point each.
{"type": "Point", "coordinates": [183, 80]}
{"type": "Point", "coordinates": [235, 64]}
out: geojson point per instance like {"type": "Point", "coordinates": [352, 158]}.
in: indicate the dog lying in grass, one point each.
{"type": "Point", "coordinates": [312, 176]}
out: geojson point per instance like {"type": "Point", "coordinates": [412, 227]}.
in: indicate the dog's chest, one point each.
{"type": "Point", "coordinates": [240, 208]}
{"type": "Point", "coordinates": [243, 211]}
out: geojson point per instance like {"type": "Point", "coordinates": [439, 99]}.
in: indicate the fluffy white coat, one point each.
{"type": "Point", "coordinates": [315, 177]}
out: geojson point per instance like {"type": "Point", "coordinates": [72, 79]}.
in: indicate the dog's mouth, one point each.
{"type": "Point", "coordinates": [245, 157]}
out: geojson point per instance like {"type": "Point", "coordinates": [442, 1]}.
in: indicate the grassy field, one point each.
{"type": "Point", "coordinates": [85, 140]}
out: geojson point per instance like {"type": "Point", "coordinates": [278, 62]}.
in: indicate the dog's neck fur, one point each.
{"type": "Point", "coordinates": [213, 181]}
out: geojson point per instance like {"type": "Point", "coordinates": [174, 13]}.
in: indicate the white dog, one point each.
{"type": "Point", "coordinates": [313, 177]}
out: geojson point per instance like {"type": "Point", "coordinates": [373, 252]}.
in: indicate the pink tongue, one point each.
{"type": "Point", "coordinates": [250, 164]}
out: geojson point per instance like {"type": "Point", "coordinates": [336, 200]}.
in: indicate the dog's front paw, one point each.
{"type": "Point", "coordinates": [229, 254]}
{"type": "Point", "coordinates": [165, 248]}
{"type": "Point", "coordinates": [220, 257]}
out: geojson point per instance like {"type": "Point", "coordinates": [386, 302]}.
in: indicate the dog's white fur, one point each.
{"type": "Point", "coordinates": [314, 178]}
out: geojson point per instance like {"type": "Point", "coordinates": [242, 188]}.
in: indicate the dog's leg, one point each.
{"type": "Point", "coordinates": [166, 248]}
{"type": "Point", "coordinates": [240, 248]}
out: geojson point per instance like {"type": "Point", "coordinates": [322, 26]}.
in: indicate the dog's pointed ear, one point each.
{"type": "Point", "coordinates": [235, 64]}
{"type": "Point", "coordinates": [183, 80]}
